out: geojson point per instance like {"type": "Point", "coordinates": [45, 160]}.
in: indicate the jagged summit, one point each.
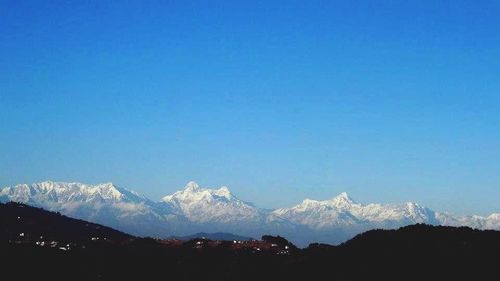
{"type": "Point", "coordinates": [193, 192]}
{"type": "Point", "coordinates": [192, 186]}
{"type": "Point", "coordinates": [63, 191]}
{"type": "Point", "coordinates": [224, 191]}
{"type": "Point", "coordinates": [340, 201]}
{"type": "Point", "coordinates": [209, 205]}
{"type": "Point", "coordinates": [343, 199]}
{"type": "Point", "coordinates": [344, 196]}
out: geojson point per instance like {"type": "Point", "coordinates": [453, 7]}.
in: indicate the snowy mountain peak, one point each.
{"type": "Point", "coordinates": [412, 205]}
{"type": "Point", "coordinates": [342, 199]}
{"type": "Point", "coordinates": [109, 190]}
{"type": "Point", "coordinates": [210, 205]}
{"type": "Point", "coordinates": [224, 192]}
{"type": "Point", "coordinates": [192, 186]}
{"type": "Point", "coordinates": [61, 192]}
{"type": "Point", "coordinates": [494, 216]}
{"type": "Point", "coordinates": [305, 205]}
{"type": "Point", "coordinates": [415, 209]}
{"type": "Point", "coordinates": [192, 192]}
{"type": "Point", "coordinates": [343, 195]}
{"type": "Point", "coordinates": [308, 201]}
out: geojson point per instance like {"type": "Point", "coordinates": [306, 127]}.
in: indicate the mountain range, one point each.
{"type": "Point", "coordinates": [195, 209]}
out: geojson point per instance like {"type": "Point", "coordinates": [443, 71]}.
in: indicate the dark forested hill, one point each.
{"type": "Point", "coordinates": [23, 223]}
{"type": "Point", "coordinates": [86, 251]}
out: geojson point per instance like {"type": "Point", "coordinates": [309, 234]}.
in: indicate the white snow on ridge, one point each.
{"type": "Point", "coordinates": [211, 205]}
{"type": "Point", "coordinates": [342, 211]}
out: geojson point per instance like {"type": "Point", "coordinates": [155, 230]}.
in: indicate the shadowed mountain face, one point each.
{"type": "Point", "coordinates": [417, 252]}
{"type": "Point", "coordinates": [195, 209]}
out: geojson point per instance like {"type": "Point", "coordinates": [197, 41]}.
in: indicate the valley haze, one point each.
{"type": "Point", "coordinates": [195, 209]}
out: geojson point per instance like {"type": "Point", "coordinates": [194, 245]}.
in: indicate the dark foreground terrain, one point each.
{"type": "Point", "coordinates": [40, 245]}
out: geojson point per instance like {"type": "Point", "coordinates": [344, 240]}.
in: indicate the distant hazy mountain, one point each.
{"type": "Point", "coordinates": [195, 209]}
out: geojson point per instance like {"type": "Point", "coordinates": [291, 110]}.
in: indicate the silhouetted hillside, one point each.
{"type": "Point", "coordinates": [23, 223]}
{"type": "Point", "coordinates": [418, 252]}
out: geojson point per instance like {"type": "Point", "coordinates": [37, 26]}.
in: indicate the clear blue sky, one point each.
{"type": "Point", "coordinates": [387, 100]}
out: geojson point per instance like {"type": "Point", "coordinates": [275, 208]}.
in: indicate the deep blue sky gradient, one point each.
{"type": "Point", "coordinates": [387, 100]}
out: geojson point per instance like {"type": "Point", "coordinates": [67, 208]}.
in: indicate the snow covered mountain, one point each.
{"type": "Point", "coordinates": [490, 222]}
{"type": "Point", "coordinates": [342, 211]}
{"type": "Point", "coordinates": [218, 210]}
{"type": "Point", "coordinates": [102, 203]}
{"type": "Point", "coordinates": [195, 209]}
{"type": "Point", "coordinates": [212, 205]}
